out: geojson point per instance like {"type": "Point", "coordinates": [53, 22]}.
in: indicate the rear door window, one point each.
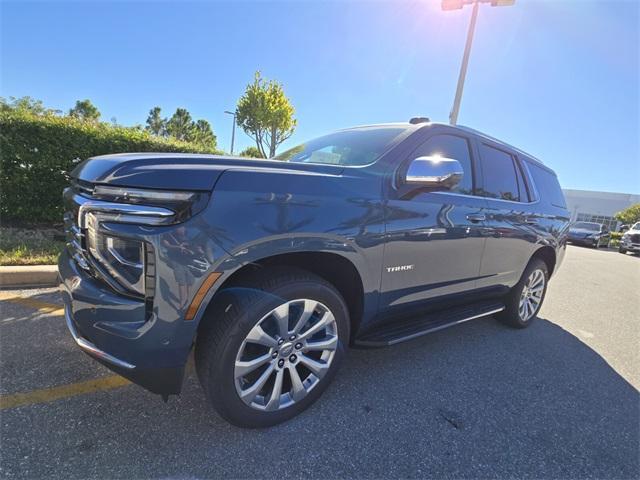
{"type": "Point", "coordinates": [501, 177]}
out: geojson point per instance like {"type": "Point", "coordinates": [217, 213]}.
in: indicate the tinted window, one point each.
{"type": "Point", "coordinates": [500, 174]}
{"type": "Point", "coordinates": [451, 146]}
{"type": "Point", "coordinates": [357, 146]}
{"type": "Point", "coordinates": [594, 227]}
{"type": "Point", "coordinates": [547, 185]}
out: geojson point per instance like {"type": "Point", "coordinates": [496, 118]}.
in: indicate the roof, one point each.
{"type": "Point", "coordinates": [417, 126]}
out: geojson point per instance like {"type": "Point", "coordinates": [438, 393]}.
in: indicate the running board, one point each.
{"type": "Point", "coordinates": [403, 330]}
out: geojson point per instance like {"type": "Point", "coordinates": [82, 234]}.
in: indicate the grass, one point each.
{"type": "Point", "coordinates": [30, 246]}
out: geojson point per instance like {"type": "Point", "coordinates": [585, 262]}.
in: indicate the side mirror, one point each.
{"type": "Point", "coordinates": [434, 172]}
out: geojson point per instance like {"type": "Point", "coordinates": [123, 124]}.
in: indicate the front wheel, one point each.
{"type": "Point", "coordinates": [523, 303]}
{"type": "Point", "coordinates": [622, 250]}
{"type": "Point", "coordinates": [272, 346]}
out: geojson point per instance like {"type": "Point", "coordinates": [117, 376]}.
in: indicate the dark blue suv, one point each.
{"type": "Point", "coordinates": [270, 269]}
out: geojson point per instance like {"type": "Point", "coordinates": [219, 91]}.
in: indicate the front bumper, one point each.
{"type": "Point", "coordinates": [89, 347]}
{"type": "Point", "coordinates": [630, 247]}
{"type": "Point", "coordinates": [582, 240]}
{"type": "Point", "coordinates": [114, 330]}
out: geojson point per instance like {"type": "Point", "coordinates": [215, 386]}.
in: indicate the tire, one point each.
{"type": "Point", "coordinates": [233, 337]}
{"type": "Point", "coordinates": [622, 250]}
{"type": "Point", "coordinates": [512, 315]}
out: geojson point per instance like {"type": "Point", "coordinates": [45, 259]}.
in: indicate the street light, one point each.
{"type": "Point", "coordinates": [457, 5]}
{"type": "Point", "coordinates": [233, 131]}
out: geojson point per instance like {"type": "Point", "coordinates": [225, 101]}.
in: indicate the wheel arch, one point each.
{"type": "Point", "coordinates": [332, 267]}
{"type": "Point", "coordinates": [548, 255]}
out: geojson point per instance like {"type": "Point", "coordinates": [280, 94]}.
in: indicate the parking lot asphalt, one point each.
{"type": "Point", "coordinates": [557, 400]}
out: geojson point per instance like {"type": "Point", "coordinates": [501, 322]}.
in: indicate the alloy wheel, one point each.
{"type": "Point", "coordinates": [531, 296]}
{"type": "Point", "coordinates": [285, 355]}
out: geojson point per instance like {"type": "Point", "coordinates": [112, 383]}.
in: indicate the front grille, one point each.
{"type": "Point", "coordinates": [635, 238]}
{"type": "Point", "coordinates": [76, 240]}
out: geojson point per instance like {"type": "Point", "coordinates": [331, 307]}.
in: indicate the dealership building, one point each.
{"type": "Point", "coordinates": [600, 207]}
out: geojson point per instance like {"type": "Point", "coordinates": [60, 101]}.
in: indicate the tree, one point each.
{"type": "Point", "coordinates": [202, 134]}
{"type": "Point", "coordinates": [180, 124]}
{"type": "Point", "coordinates": [266, 115]}
{"type": "Point", "coordinates": [252, 152]}
{"type": "Point", "coordinates": [85, 110]}
{"type": "Point", "coordinates": [26, 104]}
{"type": "Point", "coordinates": [629, 216]}
{"type": "Point", "coordinates": [155, 123]}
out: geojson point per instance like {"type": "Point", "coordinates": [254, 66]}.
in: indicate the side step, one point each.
{"type": "Point", "coordinates": [403, 330]}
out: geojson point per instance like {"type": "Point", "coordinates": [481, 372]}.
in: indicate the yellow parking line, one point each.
{"type": "Point", "coordinates": [42, 307]}
{"type": "Point", "coordinates": [63, 391]}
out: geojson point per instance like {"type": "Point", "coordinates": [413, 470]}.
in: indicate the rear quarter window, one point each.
{"type": "Point", "coordinates": [547, 184]}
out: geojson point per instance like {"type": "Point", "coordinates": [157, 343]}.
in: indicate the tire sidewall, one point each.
{"type": "Point", "coordinates": [224, 396]}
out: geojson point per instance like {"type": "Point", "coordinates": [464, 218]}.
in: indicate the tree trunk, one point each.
{"type": "Point", "coordinates": [272, 150]}
{"type": "Point", "coordinates": [260, 149]}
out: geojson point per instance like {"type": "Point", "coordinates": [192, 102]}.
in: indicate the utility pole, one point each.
{"type": "Point", "coordinates": [456, 5]}
{"type": "Point", "coordinates": [233, 130]}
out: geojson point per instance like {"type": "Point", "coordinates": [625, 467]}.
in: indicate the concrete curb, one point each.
{"type": "Point", "coordinates": [29, 276]}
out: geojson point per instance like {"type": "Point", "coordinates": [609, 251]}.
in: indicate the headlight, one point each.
{"type": "Point", "coordinates": [183, 204]}
{"type": "Point", "coordinates": [122, 258]}
{"type": "Point", "coordinates": [127, 263]}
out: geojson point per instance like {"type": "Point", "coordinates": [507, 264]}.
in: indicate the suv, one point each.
{"type": "Point", "coordinates": [270, 269]}
{"type": "Point", "coordinates": [630, 241]}
{"type": "Point", "coordinates": [590, 234]}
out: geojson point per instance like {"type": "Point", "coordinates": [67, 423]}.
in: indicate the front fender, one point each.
{"type": "Point", "coordinates": [256, 215]}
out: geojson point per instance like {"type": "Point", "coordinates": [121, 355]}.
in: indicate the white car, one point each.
{"type": "Point", "coordinates": [630, 241]}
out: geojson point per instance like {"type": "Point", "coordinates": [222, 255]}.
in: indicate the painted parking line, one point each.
{"type": "Point", "coordinates": [64, 391]}
{"type": "Point", "coordinates": [44, 308]}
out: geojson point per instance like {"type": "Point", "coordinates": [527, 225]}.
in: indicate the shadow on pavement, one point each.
{"type": "Point", "coordinates": [478, 400]}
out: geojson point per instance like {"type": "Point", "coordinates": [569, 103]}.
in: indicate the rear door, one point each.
{"type": "Point", "coordinates": [434, 239]}
{"type": "Point", "coordinates": [512, 219]}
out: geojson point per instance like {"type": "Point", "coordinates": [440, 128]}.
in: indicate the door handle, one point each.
{"type": "Point", "coordinates": [476, 217]}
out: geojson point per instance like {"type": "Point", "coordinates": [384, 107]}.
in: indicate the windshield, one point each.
{"type": "Point", "coordinates": [353, 147]}
{"type": "Point", "coordinates": [594, 227]}
{"type": "Point", "coordinates": [636, 226]}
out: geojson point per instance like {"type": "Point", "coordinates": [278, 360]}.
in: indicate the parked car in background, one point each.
{"type": "Point", "coordinates": [270, 269]}
{"type": "Point", "coordinates": [590, 234]}
{"type": "Point", "coordinates": [630, 241]}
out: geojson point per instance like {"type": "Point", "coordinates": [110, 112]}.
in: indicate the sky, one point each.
{"type": "Point", "coordinates": [556, 78]}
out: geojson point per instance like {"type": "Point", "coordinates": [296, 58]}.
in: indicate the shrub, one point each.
{"type": "Point", "coordinates": [251, 152]}
{"type": "Point", "coordinates": [38, 150]}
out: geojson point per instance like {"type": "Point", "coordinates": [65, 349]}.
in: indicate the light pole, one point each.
{"type": "Point", "coordinates": [233, 131]}
{"type": "Point", "coordinates": [456, 5]}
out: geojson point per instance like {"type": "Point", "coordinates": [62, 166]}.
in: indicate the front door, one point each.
{"type": "Point", "coordinates": [434, 240]}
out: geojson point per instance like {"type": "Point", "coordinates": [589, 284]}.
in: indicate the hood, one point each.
{"type": "Point", "coordinates": [177, 171]}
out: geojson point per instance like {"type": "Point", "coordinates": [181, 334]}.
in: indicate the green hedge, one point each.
{"type": "Point", "coordinates": [37, 151]}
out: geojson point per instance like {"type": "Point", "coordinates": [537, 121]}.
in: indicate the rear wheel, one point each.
{"type": "Point", "coordinates": [525, 299]}
{"type": "Point", "coordinates": [272, 346]}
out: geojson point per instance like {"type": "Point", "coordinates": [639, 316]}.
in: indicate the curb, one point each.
{"type": "Point", "coordinates": [29, 276]}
